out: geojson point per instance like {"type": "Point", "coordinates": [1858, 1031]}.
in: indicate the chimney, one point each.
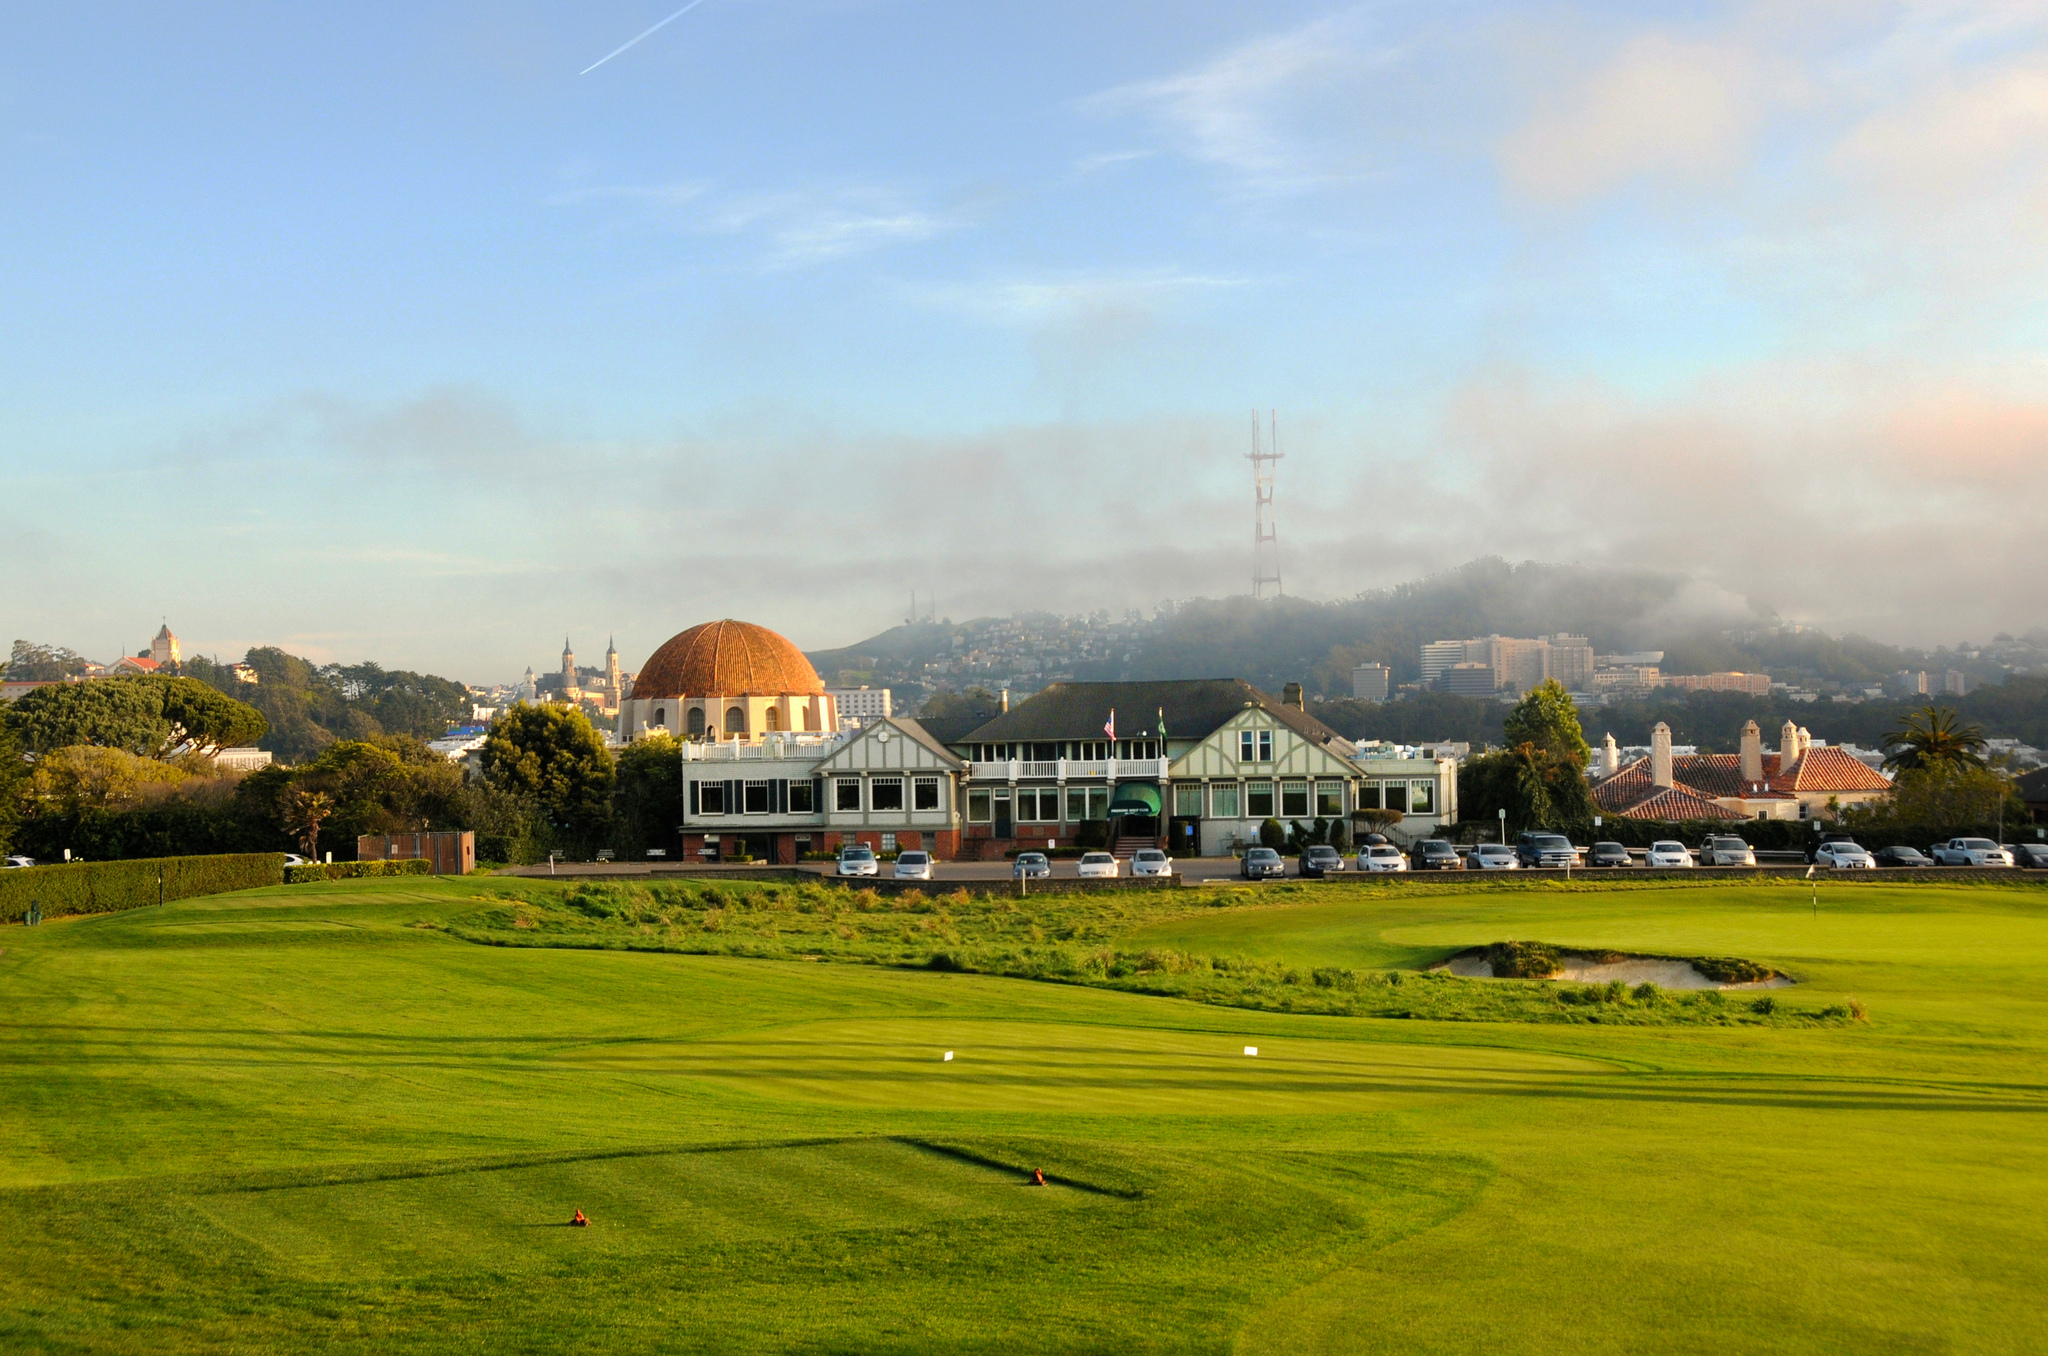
{"type": "Point", "coordinates": [1805, 741]}
{"type": "Point", "coordinates": [1752, 752]}
{"type": "Point", "coordinates": [1610, 756]}
{"type": "Point", "coordinates": [1660, 755]}
{"type": "Point", "coordinates": [1788, 747]}
{"type": "Point", "coordinates": [1290, 695]}
{"type": "Point", "coordinates": [1004, 699]}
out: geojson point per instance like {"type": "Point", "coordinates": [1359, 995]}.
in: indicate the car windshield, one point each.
{"type": "Point", "coordinates": [1979, 844]}
{"type": "Point", "coordinates": [1730, 844]}
{"type": "Point", "coordinates": [1546, 841]}
{"type": "Point", "coordinates": [1667, 847]}
{"type": "Point", "coordinates": [1097, 858]}
{"type": "Point", "coordinates": [1434, 845]}
{"type": "Point", "coordinates": [1262, 854]}
{"type": "Point", "coordinates": [1840, 846]}
{"type": "Point", "coordinates": [1151, 855]}
{"type": "Point", "coordinates": [856, 854]}
{"type": "Point", "coordinates": [1492, 850]}
{"type": "Point", "coordinates": [1032, 857]}
{"type": "Point", "coordinates": [1386, 852]}
{"type": "Point", "coordinates": [1608, 847]}
{"type": "Point", "coordinates": [912, 859]}
{"type": "Point", "coordinates": [1322, 850]}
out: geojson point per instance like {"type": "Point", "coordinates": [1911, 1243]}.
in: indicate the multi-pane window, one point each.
{"type": "Point", "coordinates": [1395, 794]}
{"type": "Point", "coordinates": [1329, 799]}
{"type": "Point", "coordinates": [977, 806]}
{"type": "Point", "coordinates": [888, 842]}
{"type": "Point", "coordinates": [711, 798]}
{"type": "Point", "coordinates": [1258, 800]}
{"type": "Point", "coordinates": [1077, 804]}
{"type": "Point", "coordinates": [1223, 800]}
{"type": "Point", "coordinates": [1369, 796]}
{"type": "Point", "coordinates": [754, 799]}
{"type": "Point", "coordinates": [846, 793]}
{"type": "Point", "coordinates": [885, 793]}
{"type": "Point", "coordinates": [802, 798]}
{"type": "Point", "coordinates": [1037, 805]}
{"type": "Point", "coordinates": [1422, 797]}
{"type": "Point", "coordinates": [1265, 746]}
{"type": "Point", "coordinates": [925, 793]}
{"type": "Point", "coordinates": [1247, 746]}
{"type": "Point", "coordinates": [1187, 799]}
{"type": "Point", "coordinates": [1098, 802]}
{"type": "Point", "coordinates": [1294, 799]}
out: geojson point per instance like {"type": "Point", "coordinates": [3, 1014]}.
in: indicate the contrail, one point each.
{"type": "Point", "coordinates": [648, 34]}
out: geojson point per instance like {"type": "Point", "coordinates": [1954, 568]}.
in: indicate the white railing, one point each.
{"type": "Point", "coordinates": [770, 747]}
{"type": "Point", "coordinates": [1036, 770]}
{"type": "Point", "coordinates": [1063, 770]}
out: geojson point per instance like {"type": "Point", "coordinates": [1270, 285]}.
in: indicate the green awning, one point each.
{"type": "Point", "coordinates": [1135, 798]}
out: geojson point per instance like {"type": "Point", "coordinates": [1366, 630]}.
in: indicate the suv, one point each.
{"type": "Point", "coordinates": [1261, 862]}
{"type": "Point", "coordinates": [858, 861]}
{"type": "Point", "coordinates": [1969, 852]}
{"type": "Point", "coordinates": [1535, 848]}
{"type": "Point", "coordinates": [1725, 850]}
{"type": "Point", "coordinates": [1320, 859]}
{"type": "Point", "coordinates": [1434, 854]}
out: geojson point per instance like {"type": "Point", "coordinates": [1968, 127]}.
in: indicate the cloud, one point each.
{"type": "Point", "coordinates": [795, 228]}
{"type": "Point", "coordinates": [1089, 164]}
{"type": "Point", "coordinates": [1063, 298]}
{"type": "Point", "coordinates": [1950, 139]}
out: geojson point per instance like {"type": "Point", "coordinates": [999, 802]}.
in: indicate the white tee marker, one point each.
{"type": "Point", "coordinates": [949, 1057]}
{"type": "Point", "coordinates": [1251, 1049]}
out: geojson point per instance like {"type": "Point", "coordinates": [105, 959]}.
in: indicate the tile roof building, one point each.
{"type": "Point", "coordinates": [1800, 780]}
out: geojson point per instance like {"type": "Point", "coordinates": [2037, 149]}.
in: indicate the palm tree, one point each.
{"type": "Point", "coordinates": [304, 812]}
{"type": "Point", "coordinates": [1929, 738]}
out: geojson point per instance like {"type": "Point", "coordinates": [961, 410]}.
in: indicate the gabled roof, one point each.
{"type": "Point", "coordinates": [1718, 776]}
{"type": "Point", "coordinates": [1831, 769]}
{"type": "Point", "coordinates": [1629, 794]}
{"type": "Point", "coordinates": [916, 730]}
{"type": "Point", "coordinates": [1194, 708]}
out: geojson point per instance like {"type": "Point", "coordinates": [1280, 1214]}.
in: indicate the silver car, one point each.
{"type": "Point", "coordinates": [858, 861]}
{"type": "Point", "coordinates": [913, 866]}
{"type": "Point", "coordinates": [1494, 857]}
{"type": "Point", "coordinates": [1096, 864]}
{"type": "Point", "coordinates": [1970, 852]}
{"type": "Point", "coordinates": [1726, 850]}
{"type": "Point", "coordinates": [1842, 855]}
{"type": "Point", "coordinates": [1151, 862]}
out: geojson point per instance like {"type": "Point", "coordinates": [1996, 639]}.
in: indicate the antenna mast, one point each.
{"type": "Point", "coordinates": [1265, 533]}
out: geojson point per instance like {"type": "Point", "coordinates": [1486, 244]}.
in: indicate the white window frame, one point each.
{"type": "Point", "coordinates": [876, 784]}
{"type": "Point", "coordinates": [1307, 792]}
{"type": "Point", "coordinates": [987, 815]}
{"type": "Point", "coordinates": [1187, 800]}
{"type": "Point", "coordinates": [1272, 794]}
{"type": "Point", "coordinates": [767, 796]}
{"type": "Point", "coordinates": [918, 787]}
{"type": "Point", "coordinates": [1247, 746]}
{"type": "Point", "coordinates": [1336, 789]}
{"type": "Point", "coordinates": [721, 811]}
{"type": "Point", "coordinates": [1427, 786]}
{"type": "Point", "coordinates": [839, 785]}
{"type": "Point", "coordinates": [1265, 746]}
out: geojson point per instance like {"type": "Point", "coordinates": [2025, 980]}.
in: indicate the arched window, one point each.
{"type": "Point", "coordinates": [736, 720]}
{"type": "Point", "coordinates": [810, 715]}
{"type": "Point", "coordinates": [661, 716]}
{"type": "Point", "coordinates": [774, 718]}
{"type": "Point", "coordinates": [696, 720]}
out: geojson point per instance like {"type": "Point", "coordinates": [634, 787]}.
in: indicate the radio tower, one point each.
{"type": "Point", "coordinates": [1265, 541]}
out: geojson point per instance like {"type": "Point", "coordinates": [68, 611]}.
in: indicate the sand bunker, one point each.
{"type": "Point", "coordinates": [1578, 968]}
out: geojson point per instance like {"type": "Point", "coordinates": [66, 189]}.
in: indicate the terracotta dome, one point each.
{"type": "Point", "coordinates": [727, 659]}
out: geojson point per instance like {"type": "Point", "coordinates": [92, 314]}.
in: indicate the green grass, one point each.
{"type": "Point", "coordinates": [316, 1118]}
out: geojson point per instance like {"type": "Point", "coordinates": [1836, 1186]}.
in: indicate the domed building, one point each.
{"type": "Point", "coordinates": [728, 680]}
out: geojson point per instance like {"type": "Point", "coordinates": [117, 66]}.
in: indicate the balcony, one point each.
{"type": "Point", "coordinates": [1071, 770]}
{"type": "Point", "coordinates": [768, 748]}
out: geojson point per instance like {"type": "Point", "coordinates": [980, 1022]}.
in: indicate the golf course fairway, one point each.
{"type": "Point", "coordinates": [331, 1118]}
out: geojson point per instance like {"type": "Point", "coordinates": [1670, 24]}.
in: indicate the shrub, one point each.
{"type": "Point", "coordinates": [109, 887]}
{"type": "Point", "coordinates": [1732, 969]}
{"type": "Point", "coordinates": [1272, 835]}
{"type": "Point", "coordinates": [1523, 960]}
{"type": "Point", "coordinates": [1647, 992]}
{"type": "Point", "coordinates": [1764, 1006]}
{"type": "Point", "coordinates": [313, 871]}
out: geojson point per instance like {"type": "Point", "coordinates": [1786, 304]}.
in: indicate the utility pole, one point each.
{"type": "Point", "coordinates": [1265, 533]}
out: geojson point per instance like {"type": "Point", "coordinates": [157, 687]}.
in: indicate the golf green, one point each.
{"type": "Point", "coordinates": [312, 1119]}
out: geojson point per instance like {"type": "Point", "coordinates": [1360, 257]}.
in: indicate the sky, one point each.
{"type": "Point", "coordinates": [395, 332]}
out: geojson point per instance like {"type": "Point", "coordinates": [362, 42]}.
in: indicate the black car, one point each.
{"type": "Point", "coordinates": [1607, 854]}
{"type": "Point", "coordinates": [1902, 856]}
{"type": "Point", "coordinates": [1031, 866]}
{"type": "Point", "coordinates": [1434, 854]}
{"type": "Point", "coordinates": [1538, 849]}
{"type": "Point", "coordinates": [2030, 856]}
{"type": "Point", "coordinates": [1261, 862]}
{"type": "Point", "coordinates": [1321, 859]}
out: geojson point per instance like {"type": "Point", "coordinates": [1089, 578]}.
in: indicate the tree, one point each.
{"type": "Point", "coordinates": [650, 796]}
{"type": "Point", "coordinates": [1272, 835]}
{"type": "Point", "coordinates": [149, 717]}
{"type": "Point", "coordinates": [14, 773]}
{"type": "Point", "coordinates": [1953, 795]}
{"type": "Point", "coordinates": [551, 758]}
{"type": "Point", "coordinates": [1539, 789]}
{"type": "Point", "coordinates": [204, 721]}
{"type": "Point", "coordinates": [1931, 736]}
{"type": "Point", "coordinates": [83, 776]}
{"type": "Point", "coordinates": [1549, 719]}
{"type": "Point", "coordinates": [393, 784]}
{"type": "Point", "coordinates": [305, 810]}
{"type": "Point", "coordinates": [43, 663]}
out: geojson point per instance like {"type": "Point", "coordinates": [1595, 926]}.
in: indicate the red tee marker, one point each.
{"type": "Point", "coordinates": [579, 1222]}
{"type": "Point", "coordinates": [1039, 1175]}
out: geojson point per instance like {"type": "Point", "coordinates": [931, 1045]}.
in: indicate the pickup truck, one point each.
{"type": "Point", "coordinates": [1969, 852]}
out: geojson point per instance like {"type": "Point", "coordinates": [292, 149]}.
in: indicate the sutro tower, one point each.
{"type": "Point", "coordinates": [1265, 539]}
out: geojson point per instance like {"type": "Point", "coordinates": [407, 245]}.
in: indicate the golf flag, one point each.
{"type": "Point", "coordinates": [1809, 871]}
{"type": "Point", "coordinates": [1109, 726]}
{"type": "Point", "coordinates": [1162, 724]}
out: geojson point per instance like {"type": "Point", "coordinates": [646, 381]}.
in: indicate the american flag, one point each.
{"type": "Point", "coordinates": [1109, 727]}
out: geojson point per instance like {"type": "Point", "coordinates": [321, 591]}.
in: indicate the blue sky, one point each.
{"type": "Point", "coordinates": [380, 331]}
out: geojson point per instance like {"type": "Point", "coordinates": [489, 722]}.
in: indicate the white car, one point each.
{"type": "Point", "coordinates": [1382, 857]}
{"type": "Point", "coordinates": [1969, 852]}
{"type": "Point", "coordinates": [16, 862]}
{"type": "Point", "coordinates": [913, 866]}
{"type": "Point", "coordinates": [1668, 854]}
{"type": "Point", "coordinates": [1096, 864]}
{"type": "Point", "coordinates": [1842, 855]}
{"type": "Point", "coordinates": [858, 861]}
{"type": "Point", "coordinates": [1151, 862]}
{"type": "Point", "coordinates": [294, 859]}
{"type": "Point", "coordinates": [1494, 857]}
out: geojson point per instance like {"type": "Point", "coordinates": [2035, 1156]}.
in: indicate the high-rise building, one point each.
{"type": "Point", "coordinates": [1515, 664]}
{"type": "Point", "coordinates": [1955, 683]}
{"type": "Point", "coordinates": [1369, 682]}
{"type": "Point", "coordinates": [1470, 680]}
{"type": "Point", "coordinates": [1439, 655]}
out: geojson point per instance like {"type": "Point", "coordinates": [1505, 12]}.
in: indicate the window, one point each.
{"type": "Point", "coordinates": [754, 800]}
{"type": "Point", "coordinates": [847, 795]}
{"type": "Point", "coordinates": [1329, 799]}
{"type": "Point", "coordinates": [1035, 805]}
{"type": "Point", "coordinates": [696, 720]}
{"type": "Point", "coordinates": [977, 806]}
{"type": "Point", "coordinates": [1369, 796]}
{"type": "Point", "coordinates": [1258, 800]}
{"type": "Point", "coordinates": [1396, 795]}
{"type": "Point", "coordinates": [774, 721]}
{"type": "Point", "coordinates": [1187, 799]}
{"type": "Point", "coordinates": [661, 716]}
{"type": "Point", "coordinates": [1077, 804]}
{"type": "Point", "coordinates": [888, 842]}
{"type": "Point", "coordinates": [885, 793]}
{"type": "Point", "coordinates": [1265, 746]}
{"type": "Point", "coordinates": [1294, 799]}
{"type": "Point", "coordinates": [1098, 802]}
{"type": "Point", "coordinates": [1223, 800]}
{"type": "Point", "coordinates": [710, 797]}
{"type": "Point", "coordinates": [925, 793]}
{"type": "Point", "coordinates": [1247, 746]}
{"type": "Point", "coordinates": [1422, 798]}
{"type": "Point", "coordinates": [803, 799]}
{"type": "Point", "coordinates": [735, 720]}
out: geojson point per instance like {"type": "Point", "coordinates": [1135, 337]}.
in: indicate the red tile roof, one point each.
{"type": "Point", "coordinates": [1629, 794]}
{"type": "Point", "coordinates": [1831, 769]}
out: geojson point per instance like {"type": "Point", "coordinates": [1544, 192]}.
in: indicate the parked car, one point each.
{"type": "Point", "coordinates": [2031, 856]}
{"type": "Point", "coordinates": [1031, 866]}
{"type": "Point", "coordinates": [1261, 862]}
{"type": "Point", "coordinates": [1903, 856]}
{"type": "Point", "coordinates": [14, 863]}
{"type": "Point", "coordinates": [1097, 865]}
{"type": "Point", "coordinates": [1435, 854]}
{"type": "Point", "coordinates": [913, 866]}
{"type": "Point", "coordinates": [1151, 862]}
{"type": "Point", "coordinates": [1842, 854]}
{"type": "Point", "coordinates": [1607, 854]}
{"type": "Point", "coordinates": [1494, 857]}
{"type": "Point", "coordinates": [858, 861]}
{"type": "Point", "coordinates": [1320, 860]}
{"type": "Point", "coordinates": [1382, 857]}
{"type": "Point", "coordinates": [294, 859]}
{"type": "Point", "coordinates": [1970, 852]}
{"type": "Point", "coordinates": [1668, 854]}
{"type": "Point", "coordinates": [1536, 848]}
{"type": "Point", "coordinates": [1724, 850]}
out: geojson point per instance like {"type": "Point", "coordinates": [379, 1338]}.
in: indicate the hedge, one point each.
{"type": "Point", "coordinates": [305, 875]}
{"type": "Point", "coordinates": [109, 887]}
